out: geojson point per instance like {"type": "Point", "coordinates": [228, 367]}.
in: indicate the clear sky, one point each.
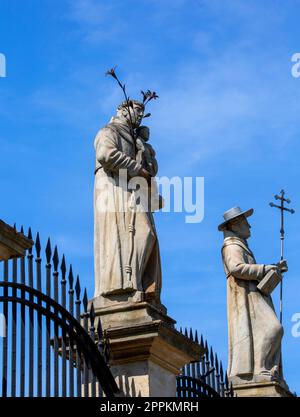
{"type": "Point", "coordinates": [228, 111]}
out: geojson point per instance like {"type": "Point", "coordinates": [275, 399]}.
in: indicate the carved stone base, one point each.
{"type": "Point", "coordinates": [130, 313]}
{"type": "Point", "coordinates": [125, 296]}
{"type": "Point", "coordinates": [262, 389]}
{"type": "Point", "coordinates": [147, 357]}
{"type": "Point", "coordinates": [146, 352]}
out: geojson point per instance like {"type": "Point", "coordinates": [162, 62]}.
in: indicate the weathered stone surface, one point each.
{"type": "Point", "coordinates": [126, 250]}
{"type": "Point", "coordinates": [146, 351]}
{"type": "Point", "coordinates": [146, 358]}
{"type": "Point", "coordinates": [262, 389]}
{"type": "Point", "coordinates": [12, 243]}
{"type": "Point", "coordinates": [130, 313]}
{"type": "Point", "coordinates": [255, 332]}
{"type": "Point", "coordinates": [144, 379]}
{"type": "Point", "coordinates": [270, 281]}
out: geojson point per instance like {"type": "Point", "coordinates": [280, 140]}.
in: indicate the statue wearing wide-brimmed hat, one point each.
{"type": "Point", "coordinates": [254, 330]}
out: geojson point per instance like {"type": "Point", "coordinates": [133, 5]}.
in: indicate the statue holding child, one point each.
{"type": "Point", "coordinates": [126, 249]}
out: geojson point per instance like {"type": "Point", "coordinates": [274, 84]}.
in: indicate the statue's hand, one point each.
{"type": "Point", "coordinates": [269, 268]}
{"type": "Point", "coordinates": [282, 266]}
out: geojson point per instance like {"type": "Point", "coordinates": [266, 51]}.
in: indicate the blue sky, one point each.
{"type": "Point", "coordinates": [228, 111]}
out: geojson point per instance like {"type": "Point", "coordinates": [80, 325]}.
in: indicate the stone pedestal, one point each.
{"type": "Point", "coordinates": [146, 351]}
{"type": "Point", "coordinates": [262, 389]}
{"type": "Point", "coordinates": [12, 243]}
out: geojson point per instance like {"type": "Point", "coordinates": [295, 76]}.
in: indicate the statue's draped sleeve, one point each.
{"type": "Point", "coordinates": [233, 257]}
{"type": "Point", "coordinates": [110, 156]}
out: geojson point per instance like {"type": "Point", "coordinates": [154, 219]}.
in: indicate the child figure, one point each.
{"type": "Point", "coordinates": [145, 152]}
{"type": "Point", "coordinates": [146, 157]}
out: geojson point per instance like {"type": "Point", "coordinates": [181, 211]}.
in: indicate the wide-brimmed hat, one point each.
{"type": "Point", "coordinates": [233, 213]}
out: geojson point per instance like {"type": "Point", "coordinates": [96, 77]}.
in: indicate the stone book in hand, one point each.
{"type": "Point", "coordinates": [269, 282]}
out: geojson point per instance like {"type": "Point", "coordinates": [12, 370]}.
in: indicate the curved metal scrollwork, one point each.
{"type": "Point", "coordinates": [188, 386]}
{"type": "Point", "coordinates": [73, 329]}
{"type": "Point", "coordinates": [52, 346]}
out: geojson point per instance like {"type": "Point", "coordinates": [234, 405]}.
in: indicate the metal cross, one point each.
{"type": "Point", "coordinates": [282, 209]}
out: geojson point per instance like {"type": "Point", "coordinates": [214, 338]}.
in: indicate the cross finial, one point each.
{"type": "Point", "coordinates": [283, 200]}
{"type": "Point", "coordinates": [282, 209]}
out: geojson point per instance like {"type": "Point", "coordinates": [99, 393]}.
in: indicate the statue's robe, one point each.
{"type": "Point", "coordinates": [115, 150]}
{"type": "Point", "coordinates": [254, 331]}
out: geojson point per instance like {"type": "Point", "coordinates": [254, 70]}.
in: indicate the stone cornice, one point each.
{"type": "Point", "coordinates": [12, 243]}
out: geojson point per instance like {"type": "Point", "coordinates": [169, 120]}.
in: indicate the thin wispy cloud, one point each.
{"type": "Point", "coordinates": [98, 21]}
{"type": "Point", "coordinates": [225, 99]}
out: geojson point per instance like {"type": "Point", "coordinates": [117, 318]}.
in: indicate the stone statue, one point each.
{"type": "Point", "coordinates": [126, 250]}
{"type": "Point", "coordinates": [254, 331]}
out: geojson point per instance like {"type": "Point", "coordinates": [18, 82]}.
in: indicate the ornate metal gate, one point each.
{"type": "Point", "coordinates": [49, 346]}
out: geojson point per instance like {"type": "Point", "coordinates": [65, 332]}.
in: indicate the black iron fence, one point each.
{"type": "Point", "coordinates": [205, 378]}
{"type": "Point", "coordinates": [52, 345]}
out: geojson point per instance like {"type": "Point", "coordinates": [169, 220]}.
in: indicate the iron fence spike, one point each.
{"type": "Point", "coordinates": [71, 277]}
{"type": "Point", "coordinates": [92, 315]}
{"type": "Point", "coordinates": [211, 356]}
{"type": "Point", "coordinates": [77, 288]}
{"type": "Point", "coordinates": [48, 251]}
{"type": "Point", "coordinates": [221, 371]}
{"type": "Point", "coordinates": [99, 330]}
{"type": "Point", "coordinates": [55, 259]}
{"type": "Point", "coordinates": [29, 235]}
{"type": "Point", "coordinates": [106, 349]}
{"type": "Point", "coordinates": [206, 350]}
{"type": "Point", "coordinates": [22, 230]}
{"type": "Point", "coordinates": [191, 334]}
{"type": "Point", "coordinates": [185, 332]}
{"type": "Point", "coordinates": [63, 267]}
{"type": "Point", "coordinates": [196, 337]}
{"type": "Point", "coordinates": [38, 245]}
{"type": "Point", "coordinates": [201, 341]}
{"type": "Point", "coordinates": [217, 363]}
{"type": "Point", "coordinates": [85, 301]}
{"type": "Point", "coordinates": [226, 381]}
